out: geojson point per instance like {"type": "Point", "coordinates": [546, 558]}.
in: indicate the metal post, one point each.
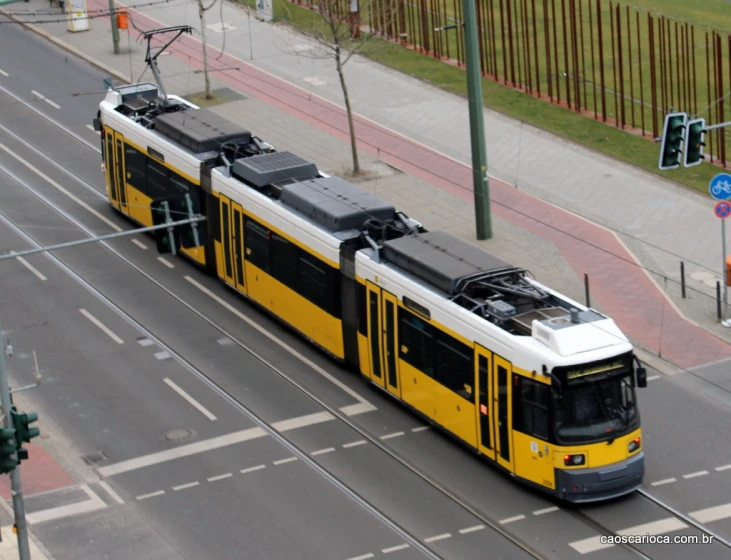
{"type": "Point", "coordinates": [723, 264]}
{"type": "Point", "coordinates": [115, 31]}
{"type": "Point", "coordinates": [586, 289]}
{"type": "Point", "coordinates": [718, 298]}
{"type": "Point", "coordinates": [477, 126]}
{"type": "Point", "coordinates": [15, 486]}
{"type": "Point", "coordinates": [682, 279]}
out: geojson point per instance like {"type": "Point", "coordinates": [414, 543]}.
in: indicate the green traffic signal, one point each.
{"type": "Point", "coordinates": [694, 142]}
{"type": "Point", "coordinates": [24, 432]}
{"type": "Point", "coordinates": [8, 451]}
{"type": "Point", "coordinates": [672, 140]}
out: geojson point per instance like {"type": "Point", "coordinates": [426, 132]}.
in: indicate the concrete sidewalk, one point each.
{"type": "Point", "coordinates": [556, 246]}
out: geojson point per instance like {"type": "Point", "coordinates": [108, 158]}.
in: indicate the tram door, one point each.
{"type": "Point", "coordinates": [383, 337]}
{"type": "Point", "coordinates": [237, 245]}
{"type": "Point", "coordinates": [485, 407]}
{"type": "Point", "coordinates": [502, 411]}
{"type": "Point", "coordinates": [118, 175]}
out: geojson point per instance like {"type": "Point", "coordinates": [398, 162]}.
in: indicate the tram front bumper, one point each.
{"type": "Point", "coordinates": [601, 483]}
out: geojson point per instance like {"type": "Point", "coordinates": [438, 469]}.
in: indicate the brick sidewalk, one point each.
{"type": "Point", "coordinates": [621, 288]}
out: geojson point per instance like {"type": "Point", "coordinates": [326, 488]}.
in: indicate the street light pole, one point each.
{"type": "Point", "coordinates": [115, 31]}
{"type": "Point", "coordinates": [481, 187]}
{"type": "Point", "coordinates": [15, 486]}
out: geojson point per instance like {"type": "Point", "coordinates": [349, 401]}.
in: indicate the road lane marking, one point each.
{"type": "Point", "coordinates": [207, 413]}
{"type": "Point", "coordinates": [342, 386]}
{"type": "Point", "coordinates": [437, 538]}
{"type": "Point", "coordinates": [30, 267]}
{"type": "Point", "coordinates": [252, 469]}
{"type": "Point", "coordinates": [101, 325]}
{"type": "Point", "coordinates": [181, 451]}
{"type": "Point", "coordinates": [723, 468]}
{"type": "Point", "coordinates": [471, 529]}
{"type": "Point", "coordinates": [219, 477]}
{"type": "Point", "coordinates": [57, 186]}
{"type": "Point", "coordinates": [653, 377]}
{"type": "Point", "coordinates": [163, 355]}
{"type": "Point", "coordinates": [664, 481]}
{"type": "Point", "coordinates": [362, 557]}
{"type": "Point", "coordinates": [52, 103]}
{"type": "Point", "coordinates": [391, 549]}
{"type": "Point", "coordinates": [302, 421]}
{"type": "Point", "coordinates": [94, 503]}
{"type": "Point", "coordinates": [4, 73]}
{"type": "Point", "coordinates": [712, 514]}
{"type": "Point", "coordinates": [420, 429]}
{"type": "Point", "coordinates": [285, 461]}
{"type": "Point", "coordinates": [393, 435]}
{"type": "Point", "coordinates": [357, 408]}
{"type": "Point", "coordinates": [164, 261]}
{"type": "Point", "coordinates": [544, 511]}
{"type": "Point", "coordinates": [92, 129]}
{"type": "Point", "coordinates": [117, 498]}
{"type": "Point", "coordinates": [184, 486]}
{"type": "Point", "coordinates": [354, 443]}
{"type": "Point", "coordinates": [151, 495]}
{"type": "Point", "coordinates": [695, 474]}
{"type": "Point", "coordinates": [511, 519]}
{"type": "Point", "coordinates": [139, 244]}
{"type": "Point", "coordinates": [667, 525]}
{"type": "Point", "coordinates": [38, 95]}
{"type": "Point", "coordinates": [322, 451]}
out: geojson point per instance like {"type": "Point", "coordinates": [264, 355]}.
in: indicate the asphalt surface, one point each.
{"type": "Point", "coordinates": [109, 398]}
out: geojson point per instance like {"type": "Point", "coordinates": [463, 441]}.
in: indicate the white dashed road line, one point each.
{"type": "Point", "coordinates": [393, 435]}
{"type": "Point", "coordinates": [207, 413]}
{"type": "Point", "coordinates": [544, 511]}
{"type": "Point", "coordinates": [101, 325]}
{"type": "Point", "coordinates": [151, 495]}
{"type": "Point", "coordinates": [32, 268]}
{"type": "Point", "coordinates": [4, 73]}
{"type": "Point", "coordinates": [653, 377]}
{"type": "Point", "coordinates": [471, 529]}
{"type": "Point", "coordinates": [139, 244]}
{"type": "Point", "coordinates": [664, 481]}
{"type": "Point", "coordinates": [436, 538]}
{"type": "Point", "coordinates": [362, 557]}
{"type": "Point", "coordinates": [164, 261]}
{"type": "Point", "coordinates": [284, 461]}
{"type": "Point", "coordinates": [44, 98]}
{"type": "Point", "coordinates": [354, 443]}
{"type": "Point", "coordinates": [219, 477]}
{"type": "Point", "coordinates": [420, 429]}
{"type": "Point", "coordinates": [695, 474]}
{"type": "Point", "coordinates": [92, 129]}
{"type": "Point", "coordinates": [391, 549]}
{"type": "Point", "coordinates": [185, 486]}
{"type": "Point", "coordinates": [723, 468]}
{"type": "Point", "coordinates": [252, 469]}
{"type": "Point", "coordinates": [322, 451]}
{"type": "Point", "coordinates": [511, 519]}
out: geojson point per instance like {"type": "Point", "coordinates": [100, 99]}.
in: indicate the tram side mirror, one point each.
{"type": "Point", "coordinates": [641, 377]}
{"type": "Point", "coordinates": [97, 125]}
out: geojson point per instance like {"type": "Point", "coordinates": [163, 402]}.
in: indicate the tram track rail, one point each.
{"type": "Point", "coordinates": [340, 416]}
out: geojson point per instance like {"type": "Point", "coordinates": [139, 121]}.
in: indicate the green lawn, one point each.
{"type": "Point", "coordinates": [586, 131]}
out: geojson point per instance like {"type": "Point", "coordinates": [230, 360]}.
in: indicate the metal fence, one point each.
{"type": "Point", "coordinates": [618, 64]}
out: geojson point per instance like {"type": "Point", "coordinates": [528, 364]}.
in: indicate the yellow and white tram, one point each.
{"type": "Point", "coordinates": [539, 384]}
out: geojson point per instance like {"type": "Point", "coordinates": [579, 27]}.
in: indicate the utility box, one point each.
{"type": "Point", "coordinates": [78, 16]}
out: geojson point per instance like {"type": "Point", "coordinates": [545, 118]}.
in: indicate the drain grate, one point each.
{"type": "Point", "coordinates": [96, 457]}
{"type": "Point", "coordinates": [178, 434]}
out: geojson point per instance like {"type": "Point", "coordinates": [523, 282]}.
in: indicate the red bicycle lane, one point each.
{"type": "Point", "coordinates": [618, 283]}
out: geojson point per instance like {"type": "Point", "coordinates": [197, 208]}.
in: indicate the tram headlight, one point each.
{"type": "Point", "coordinates": [634, 445]}
{"type": "Point", "coordinates": [574, 460]}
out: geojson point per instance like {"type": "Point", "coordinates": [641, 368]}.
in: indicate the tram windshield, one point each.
{"type": "Point", "coordinates": [598, 405]}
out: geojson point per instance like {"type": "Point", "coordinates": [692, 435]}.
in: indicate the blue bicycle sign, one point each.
{"type": "Point", "coordinates": [720, 186]}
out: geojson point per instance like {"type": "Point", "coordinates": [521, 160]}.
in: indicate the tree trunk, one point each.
{"type": "Point", "coordinates": [201, 15]}
{"type": "Point", "coordinates": [349, 110]}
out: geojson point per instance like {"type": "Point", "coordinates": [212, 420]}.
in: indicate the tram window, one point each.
{"type": "Point", "coordinates": [360, 294]}
{"type": "Point", "coordinates": [180, 186]}
{"type": "Point", "coordinates": [257, 245]}
{"type": "Point", "coordinates": [214, 217]}
{"type": "Point", "coordinates": [284, 261]}
{"type": "Point", "coordinates": [417, 337]}
{"type": "Point", "coordinates": [530, 407]}
{"type": "Point", "coordinates": [455, 369]}
{"type": "Point", "coordinates": [136, 163]}
{"type": "Point", "coordinates": [157, 180]}
{"type": "Point", "coordinates": [313, 281]}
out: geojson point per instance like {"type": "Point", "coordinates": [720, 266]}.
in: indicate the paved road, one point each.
{"type": "Point", "coordinates": [366, 470]}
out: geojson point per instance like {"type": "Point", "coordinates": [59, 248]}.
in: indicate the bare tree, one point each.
{"type": "Point", "coordinates": [202, 15]}
{"type": "Point", "coordinates": [338, 34]}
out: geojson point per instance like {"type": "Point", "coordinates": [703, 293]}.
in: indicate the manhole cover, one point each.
{"type": "Point", "coordinates": [178, 434]}
{"type": "Point", "coordinates": [93, 458]}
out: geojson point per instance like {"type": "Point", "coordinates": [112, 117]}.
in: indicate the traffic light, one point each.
{"type": "Point", "coordinates": [696, 131]}
{"type": "Point", "coordinates": [21, 422]}
{"type": "Point", "coordinates": [672, 140]}
{"type": "Point", "coordinates": [187, 234]}
{"type": "Point", "coordinates": [8, 455]}
{"type": "Point", "coordinates": [164, 238]}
